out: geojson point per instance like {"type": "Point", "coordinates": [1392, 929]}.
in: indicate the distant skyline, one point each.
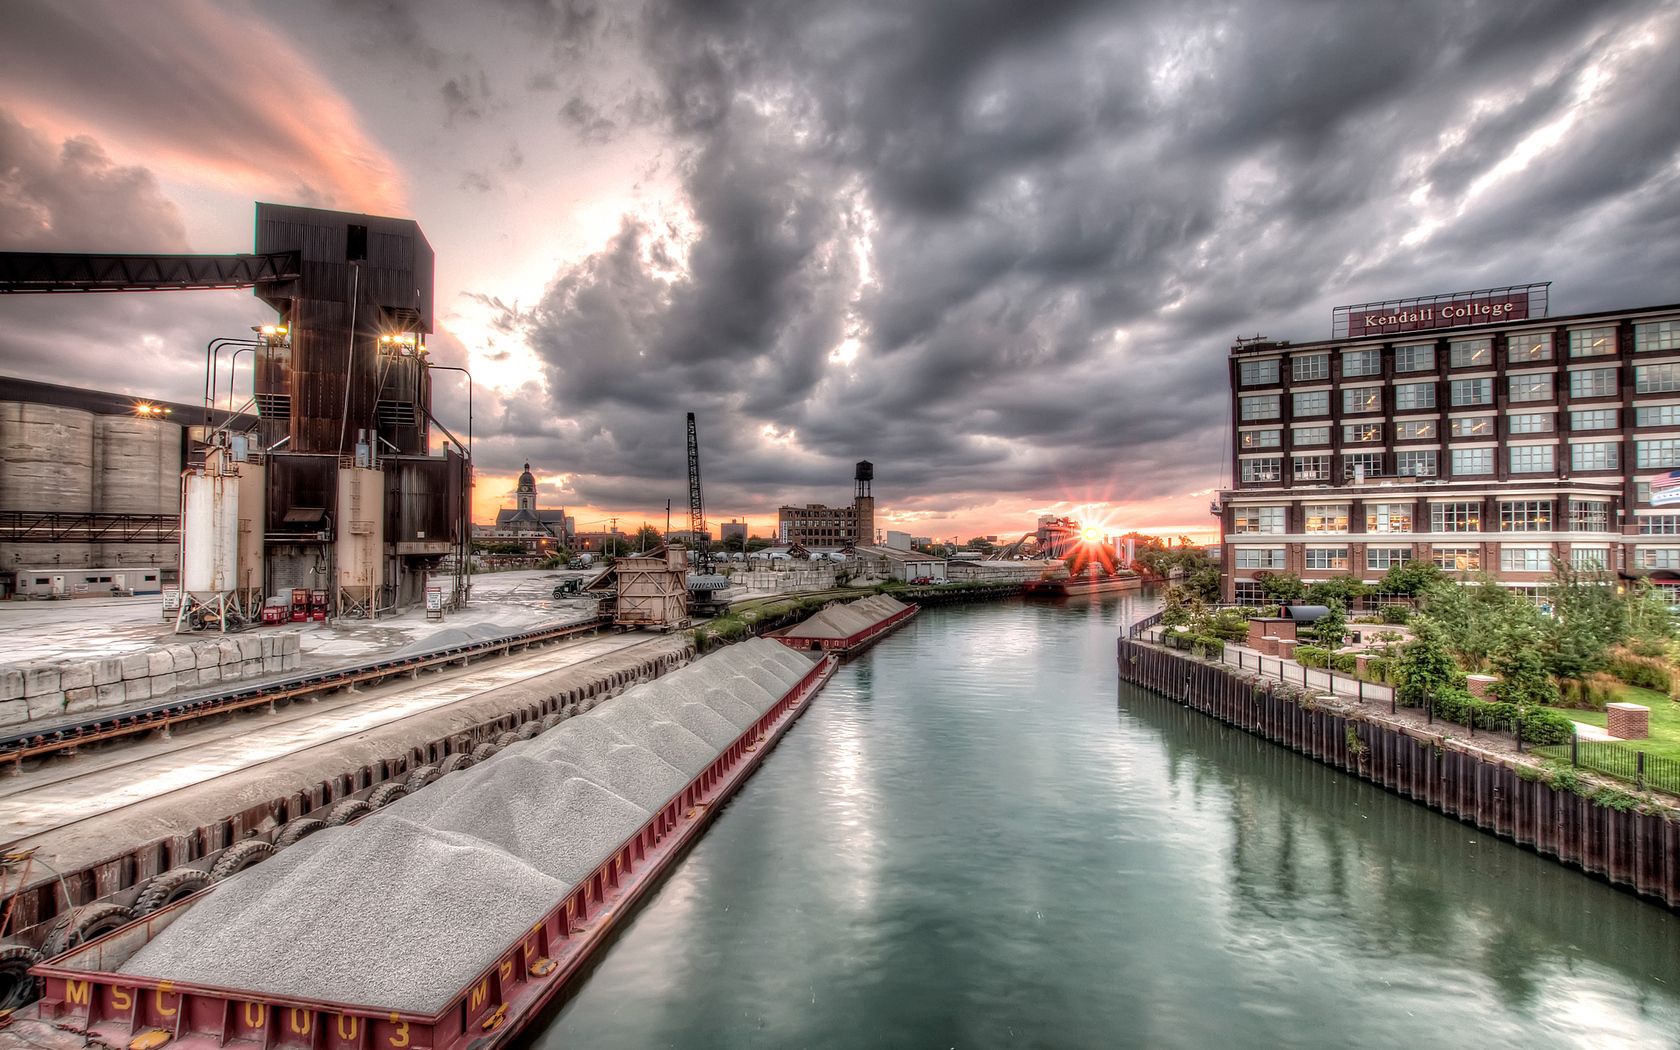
{"type": "Point", "coordinates": [998, 249]}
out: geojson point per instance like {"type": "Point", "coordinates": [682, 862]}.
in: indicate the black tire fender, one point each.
{"type": "Point", "coordinates": [552, 720]}
{"type": "Point", "coordinates": [84, 924]}
{"type": "Point", "coordinates": [386, 793]}
{"type": "Point", "coordinates": [169, 887]}
{"type": "Point", "coordinates": [504, 739]}
{"type": "Point", "coordinates": [239, 856]}
{"type": "Point", "coordinates": [17, 988]}
{"type": "Point", "coordinates": [420, 777]}
{"type": "Point", "coordinates": [530, 729]}
{"type": "Point", "coordinates": [485, 750]}
{"type": "Point", "coordinates": [459, 760]}
{"type": "Point", "coordinates": [346, 811]}
{"type": "Point", "coordinates": [295, 831]}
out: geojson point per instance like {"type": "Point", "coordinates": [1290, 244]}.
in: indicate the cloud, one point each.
{"type": "Point", "coordinates": [206, 95]}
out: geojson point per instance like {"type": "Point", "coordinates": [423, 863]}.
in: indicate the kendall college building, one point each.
{"type": "Point", "coordinates": [1470, 430]}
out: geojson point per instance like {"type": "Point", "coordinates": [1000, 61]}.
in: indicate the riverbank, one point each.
{"type": "Point", "coordinates": [1630, 842]}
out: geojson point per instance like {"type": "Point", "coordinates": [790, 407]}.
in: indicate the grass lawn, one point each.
{"type": "Point", "coordinates": [1665, 720]}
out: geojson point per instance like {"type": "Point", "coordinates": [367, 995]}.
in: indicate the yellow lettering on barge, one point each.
{"type": "Point", "coordinates": [354, 1023]}
{"type": "Point", "coordinates": [480, 994]}
{"type": "Point", "coordinates": [301, 1020]}
{"type": "Point", "coordinates": [163, 1009]}
{"type": "Point", "coordinates": [399, 1038]}
{"type": "Point", "coordinates": [77, 992]}
{"type": "Point", "coordinates": [256, 1015]}
{"type": "Point", "coordinates": [121, 999]}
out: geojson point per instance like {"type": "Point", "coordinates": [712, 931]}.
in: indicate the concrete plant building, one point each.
{"type": "Point", "coordinates": [816, 525]}
{"type": "Point", "coordinates": [1468, 429]}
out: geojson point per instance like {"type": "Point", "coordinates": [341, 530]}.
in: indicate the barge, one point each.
{"type": "Point", "coordinates": [91, 995]}
{"type": "Point", "coordinates": [1075, 586]}
{"type": "Point", "coordinates": [843, 629]}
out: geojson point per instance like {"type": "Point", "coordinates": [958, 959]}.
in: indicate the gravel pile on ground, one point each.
{"type": "Point", "coordinates": [388, 913]}
{"type": "Point", "coordinates": [562, 825]}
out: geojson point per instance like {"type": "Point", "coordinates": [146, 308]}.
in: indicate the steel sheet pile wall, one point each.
{"type": "Point", "coordinates": [391, 912]}
{"type": "Point", "coordinates": [1636, 850]}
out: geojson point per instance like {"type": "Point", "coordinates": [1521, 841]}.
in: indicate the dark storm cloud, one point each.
{"type": "Point", "coordinates": [1038, 227]}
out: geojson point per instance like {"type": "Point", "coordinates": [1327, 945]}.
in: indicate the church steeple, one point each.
{"type": "Point", "coordinates": [526, 496]}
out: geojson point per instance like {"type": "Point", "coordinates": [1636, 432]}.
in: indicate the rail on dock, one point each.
{"type": "Point", "coordinates": [1636, 850]}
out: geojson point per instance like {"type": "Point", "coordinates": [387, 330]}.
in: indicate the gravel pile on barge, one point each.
{"type": "Point", "coordinates": [403, 909]}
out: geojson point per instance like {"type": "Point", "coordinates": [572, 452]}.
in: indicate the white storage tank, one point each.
{"type": "Point", "coordinates": [210, 534]}
{"type": "Point", "coordinates": [46, 458]}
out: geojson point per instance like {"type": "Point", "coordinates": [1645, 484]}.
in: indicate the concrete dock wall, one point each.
{"type": "Point", "coordinates": [1635, 850]}
{"type": "Point", "coordinates": [47, 690]}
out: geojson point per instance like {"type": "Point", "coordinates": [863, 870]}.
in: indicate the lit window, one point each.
{"type": "Point", "coordinates": [1311, 435]}
{"type": "Point", "coordinates": [1471, 353]}
{"type": "Point", "coordinates": [1656, 335]}
{"type": "Point", "coordinates": [1414, 430]}
{"type": "Point", "coordinates": [1361, 433]}
{"type": "Point", "coordinates": [1264, 469]}
{"type": "Point", "coordinates": [1327, 558]}
{"type": "Point", "coordinates": [1531, 459]}
{"type": "Point", "coordinates": [1657, 452]}
{"type": "Point", "coordinates": [1528, 347]}
{"type": "Point", "coordinates": [1592, 342]}
{"type": "Point", "coordinates": [1532, 423]}
{"type": "Point", "coordinates": [1472, 426]}
{"type": "Point", "coordinates": [1414, 358]}
{"type": "Point", "coordinates": [1455, 517]}
{"type": "Point", "coordinates": [1326, 517]}
{"type": "Point", "coordinates": [1362, 399]}
{"type": "Point", "coordinates": [1419, 464]}
{"type": "Point", "coordinates": [1472, 392]}
{"type": "Point", "coordinates": [1595, 455]}
{"type": "Point", "coordinates": [1361, 464]}
{"type": "Point", "coordinates": [1458, 559]}
{"type": "Point", "coordinates": [1524, 559]}
{"type": "Point", "coordinates": [1525, 515]}
{"type": "Point", "coordinates": [1263, 406]}
{"type": "Point", "coordinates": [1312, 468]}
{"type": "Point", "coordinates": [1385, 558]}
{"type": "Point", "coordinates": [1313, 403]}
{"type": "Point", "coordinates": [1656, 379]}
{"type": "Point", "coordinates": [1257, 519]}
{"type": "Point", "coordinates": [1657, 416]}
{"type": "Point", "coordinates": [1531, 387]}
{"type": "Point", "coordinates": [1258, 373]}
{"type": "Point", "coordinates": [1592, 382]}
{"type": "Point", "coordinates": [1412, 396]}
{"type": "Point", "coordinates": [1308, 367]}
{"type": "Point", "coordinates": [1593, 419]}
{"type": "Point", "coordinates": [1361, 363]}
{"type": "Point", "coordinates": [1262, 438]}
{"type": "Point", "coordinates": [1388, 517]}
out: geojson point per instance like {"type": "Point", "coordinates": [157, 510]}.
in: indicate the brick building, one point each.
{"type": "Point", "coordinates": [816, 525]}
{"type": "Point", "coordinates": [1470, 429]}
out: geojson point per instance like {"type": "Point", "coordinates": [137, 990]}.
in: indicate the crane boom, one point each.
{"type": "Point", "coordinates": [696, 506]}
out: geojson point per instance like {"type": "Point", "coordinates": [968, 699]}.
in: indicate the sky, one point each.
{"type": "Point", "coordinates": [999, 249]}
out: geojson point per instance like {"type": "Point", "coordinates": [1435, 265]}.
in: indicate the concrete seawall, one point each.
{"type": "Point", "coordinates": [1634, 850]}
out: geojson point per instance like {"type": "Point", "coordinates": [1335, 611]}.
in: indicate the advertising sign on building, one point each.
{"type": "Point", "coordinates": [1665, 489]}
{"type": "Point", "coordinates": [1416, 317]}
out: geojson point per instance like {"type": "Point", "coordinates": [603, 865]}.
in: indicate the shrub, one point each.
{"type": "Point", "coordinates": [1590, 693]}
{"type": "Point", "coordinates": [1312, 656]}
{"type": "Point", "coordinates": [1379, 669]}
{"type": "Point", "coordinates": [1426, 668]}
{"type": "Point", "coordinates": [1540, 726]}
{"type": "Point", "coordinates": [1643, 671]}
{"type": "Point", "coordinates": [1346, 663]}
{"type": "Point", "coordinates": [1396, 614]}
{"type": "Point", "coordinates": [1228, 624]}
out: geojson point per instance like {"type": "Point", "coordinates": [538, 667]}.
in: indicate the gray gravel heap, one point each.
{"type": "Point", "coordinates": [706, 724]}
{"type": "Point", "coordinates": [739, 713]}
{"type": "Point", "coordinates": [387, 913]}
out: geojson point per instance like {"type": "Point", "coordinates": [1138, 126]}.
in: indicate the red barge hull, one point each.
{"type": "Point", "coordinates": [86, 1003]}
{"type": "Point", "coordinates": [851, 644]}
{"type": "Point", "coordinates": [1074, 586]}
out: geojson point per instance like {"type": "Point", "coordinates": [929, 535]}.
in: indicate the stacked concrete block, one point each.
{"type": "Point", "coordinates": [52, 689]}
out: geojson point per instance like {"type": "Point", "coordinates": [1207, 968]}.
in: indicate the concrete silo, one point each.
{"type": "Point", "coordinates": [46, 466]}
{"type": "Point", "coordinates": [137, 462]}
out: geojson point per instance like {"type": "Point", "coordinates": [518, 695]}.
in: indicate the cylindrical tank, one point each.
{"type": "Point", "coordinates": [46, 458]}
{"type": "Point", "coordinates": [139, 465]}
{"type": "Point", "coordinates": [210, 534]}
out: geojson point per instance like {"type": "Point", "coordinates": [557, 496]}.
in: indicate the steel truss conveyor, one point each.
{"type": "Point", "coordinates": [110, 725]}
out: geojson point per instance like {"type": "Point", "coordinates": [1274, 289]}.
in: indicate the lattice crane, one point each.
{"type": "Point", "coordinates": [696, 505]}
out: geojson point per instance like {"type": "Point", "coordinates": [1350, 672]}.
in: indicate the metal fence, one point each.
{"type": "Point", "coordinates": [1640, 768]}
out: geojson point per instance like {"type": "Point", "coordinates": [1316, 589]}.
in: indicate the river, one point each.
{"type": "Point", "coordinates": [976, 838]}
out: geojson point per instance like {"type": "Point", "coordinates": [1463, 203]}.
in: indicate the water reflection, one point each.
{"type": "Point", "coordinates": [972, 840]}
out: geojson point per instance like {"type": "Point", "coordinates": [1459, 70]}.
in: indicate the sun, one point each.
{"type": "Point", "coordinates": [1091, 534]}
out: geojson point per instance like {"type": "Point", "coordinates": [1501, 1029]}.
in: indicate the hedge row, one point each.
{"type": "Point", "coordinates": [1539, 726]}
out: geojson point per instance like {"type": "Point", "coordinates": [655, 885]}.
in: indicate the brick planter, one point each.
{"type": "Point", "coordinates": [1480, 685]}
{"type": "Point", "coordinates": [1628, 721]}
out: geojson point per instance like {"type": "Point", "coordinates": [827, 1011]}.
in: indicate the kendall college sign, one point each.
{"type": "Point", "coordinates": [1448, 313]}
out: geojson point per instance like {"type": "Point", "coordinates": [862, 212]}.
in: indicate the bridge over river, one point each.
{"type": "Point", "coordinates": [974, 838]}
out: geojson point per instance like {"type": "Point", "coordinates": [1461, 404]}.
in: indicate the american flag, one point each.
{"type": "Point", "coordinates": [1663, 482]}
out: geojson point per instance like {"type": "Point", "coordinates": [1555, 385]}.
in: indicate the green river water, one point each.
{"type": "Point", "coordinates": [975, 838]}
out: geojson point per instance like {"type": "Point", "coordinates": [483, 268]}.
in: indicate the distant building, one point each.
{"type": "Point", "coordinates": [892, 563]}
{"type": "Point", "coordinates": [536, 528]}
{"type": "Point", "coordinates": [734, 530]}
{"type": "Point", "coordinates": [816, 525]}
{"type": "Point", "coordinates": [1057, 536]}
{"type": "Point", "coordinates": [898, 540]}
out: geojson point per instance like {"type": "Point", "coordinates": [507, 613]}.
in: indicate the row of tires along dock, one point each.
{"type": "Point", "coordinates": [1637, 850]}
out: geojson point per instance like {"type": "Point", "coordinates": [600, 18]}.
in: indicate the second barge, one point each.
{"type": "Point", "coordinates": [95, 993]}
{"type": "Point", "coordinates": [843, 629]}
{"type": "Point", "coordinates": [1075, 586]}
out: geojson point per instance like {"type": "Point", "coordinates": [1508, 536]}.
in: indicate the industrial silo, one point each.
{"type": "Point", "coordinates": [137, 470]}
{"type": "Point", "coordinates": [46, 466]}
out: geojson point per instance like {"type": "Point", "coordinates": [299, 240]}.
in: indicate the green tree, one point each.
{"type": "Point", "coordinates": [1426, 666]}
{"type": "Point", "coordinates": [1412, 578]}
{"type": "Point", "coordinates": [1588, 617]}
{"type": "Point", "coordinates": [647, 538]}
{"type": "Point", "coordinates": [1473, 615]}
{"type": "Point", "coordinates": [1281, 586]}
{"type": "Point", "coordinates": [1331, 627]}
{"type": "Point", "coordinates": [1521, 670]}
{"type": "Point", "coordinates": [1345, 590]}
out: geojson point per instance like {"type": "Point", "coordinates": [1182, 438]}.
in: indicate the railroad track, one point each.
{"type": "Point", "coordinates": [110, 725]}
{"type": "Point", "coordinates": [278, 753]}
